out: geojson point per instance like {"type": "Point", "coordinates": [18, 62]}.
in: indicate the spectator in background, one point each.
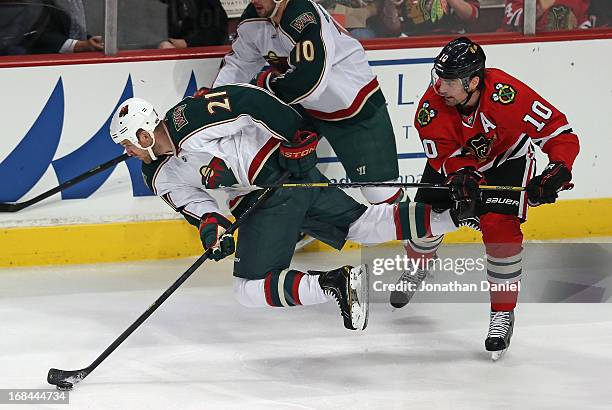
{"type": "Point", "coordinates": [64, 30]}
{"type": "Point", "coordinates": [45, 26]}
{"type": "Point", "coordinates": [600, 12]}
{"type": "Point", "coordinates": [551, 15]}
{"type": "Point", "coordinates": [353, 15]}
{"type": "Point", "coordinates": [193, 23]}
{"type": "Point", "coordinates": [423, 17]}
{"type": "Point", "coordinates": [17, 20]}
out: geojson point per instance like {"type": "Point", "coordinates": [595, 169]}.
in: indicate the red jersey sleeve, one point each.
{"type": "Point", "coordinates": [544, 123]}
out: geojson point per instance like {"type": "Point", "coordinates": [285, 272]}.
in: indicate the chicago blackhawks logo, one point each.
{"type": "Point", "coordinates": [426, 114]}
{"type": "Point", "coordinates": [504, 94]}
{"type": "Point", "coordinates": [480, 147]}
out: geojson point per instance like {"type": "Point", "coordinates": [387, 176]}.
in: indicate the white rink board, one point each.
{"type": "Point", "coordinates": [571, 75]}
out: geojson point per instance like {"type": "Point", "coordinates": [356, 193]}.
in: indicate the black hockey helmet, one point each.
{"type": "Point", "coordinates": [460, 59]}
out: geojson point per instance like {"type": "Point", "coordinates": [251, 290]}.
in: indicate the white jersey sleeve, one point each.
{"type": "Point", "coordinates": [242, 63]}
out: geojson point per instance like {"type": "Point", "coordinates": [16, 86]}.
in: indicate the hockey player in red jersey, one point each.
{"type": "Point", "coordinates": [479, 125]}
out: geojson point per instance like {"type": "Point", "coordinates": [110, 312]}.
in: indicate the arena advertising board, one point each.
{"type": "Point", "coordinates": [57, 120]}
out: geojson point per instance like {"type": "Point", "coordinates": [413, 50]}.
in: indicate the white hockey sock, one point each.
{"type": "Point", "coordinates": [280, 289]}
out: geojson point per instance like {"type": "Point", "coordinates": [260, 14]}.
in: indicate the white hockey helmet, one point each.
{"type": "Point", "coordinates": [132, 115]}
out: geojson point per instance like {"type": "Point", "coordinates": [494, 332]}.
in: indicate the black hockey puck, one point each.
{"type": "Point", "coordinates": [64, 386]}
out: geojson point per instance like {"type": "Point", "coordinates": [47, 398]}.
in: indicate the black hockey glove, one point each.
{"type": "Point", "coordinates": [300, 156]}
{"type": "Point", "coordinates": [212, 234]}
{"type": "Point", "coordinates": [464, 191]}
{"type": "Point", "coordinates": [543, 188]}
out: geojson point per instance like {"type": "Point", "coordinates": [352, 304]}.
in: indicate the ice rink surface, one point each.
{"type": "Point", "coordinates": [201, 350]}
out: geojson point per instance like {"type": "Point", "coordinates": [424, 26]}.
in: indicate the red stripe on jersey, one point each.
{"type": "Point", "coordinates": [295, 294]}
{"type": "Point", "coordinates": [354, 108]}
{"type": "Point", "coordinates": [398, 222]}
{"type": "Point", "coordinates": [261, 157]}
{"type": "Point", "coordinates": [233, 203]}
{"type": "Point", "coordinates": [391, 200]}
{"type": "Point", "coordinates": [524, 193]}
{"type": "Point", "coordinates": [267, 290]}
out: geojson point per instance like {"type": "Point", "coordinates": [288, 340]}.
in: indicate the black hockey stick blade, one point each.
{"type": "Point", "coordinates": [5, 207]}
{"type": "Point", "coordinates": [59, 377]}
{"type": "Point", "coordinates": [14, 207]}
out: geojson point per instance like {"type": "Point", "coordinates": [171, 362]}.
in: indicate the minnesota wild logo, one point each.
{"type": "Point", "coordinates": [279, 63]}
{"type": "Point", "coordinates": [504, 94]}
{"type": "Point", "coordinates": [217, 174]}
{"type": "Point", "coordinates": [426, 114]}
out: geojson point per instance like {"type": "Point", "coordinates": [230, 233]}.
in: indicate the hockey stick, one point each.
{"type": "Point", "coordinates": [398, 185]}
{"type": "Point", "coordinates": [387, 185]}
{"type": "Point", "coordinates": [14, 207]}
{"type": "Point", "coordinates": [66, 379]}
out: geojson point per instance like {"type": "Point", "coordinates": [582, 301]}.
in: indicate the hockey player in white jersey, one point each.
{"type": "Point", "coordinates": [234, 138]}
{"type": "Point", "coordinates": [296, 50]}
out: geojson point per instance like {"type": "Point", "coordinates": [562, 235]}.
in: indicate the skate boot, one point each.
{"type": "Point", "coordinates": [406, 286]}
{"type": "Point", "coordinates": [350, 287]}
{"type": "Point", "coordinates": [501, 325]}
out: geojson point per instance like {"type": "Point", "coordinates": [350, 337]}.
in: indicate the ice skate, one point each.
{"type": "Point", "coordinates": [406, 286]}
{"type": "Point", "coordinates": [350, 287]}
{"type": "Point", "coordinates": [501, 325]}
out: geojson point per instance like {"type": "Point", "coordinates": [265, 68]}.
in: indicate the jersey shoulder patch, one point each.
{"type": "Point", "coordinates": [299, 15]}
{"type": "Point", "coordinates": [301, 21]}
{"type": "Point", "coordinates": [178, 117]}
{"type": "Point", "coordinates": [425, 114]}
{"type": "Point", "coordinates": [503, 93]}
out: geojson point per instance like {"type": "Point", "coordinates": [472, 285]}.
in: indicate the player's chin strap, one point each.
{"type": "Point", "coordinates": [149, 149]}
{"type": "Point", "coordinates": [277, 4]}
{"type": "Point", "coordinates": [461, 106]}
{"type": "Point", "coordinates": [463, 109]}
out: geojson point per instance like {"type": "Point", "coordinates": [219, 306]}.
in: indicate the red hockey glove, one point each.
{"type": "Point", "coordinates": [212, 235]}
{"type": "Point", "coordinates": [263, 78]}
{"type": "Point", "coordinates": [300, 156]}
{"type": "Point", "coordinates": [201, 92]}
